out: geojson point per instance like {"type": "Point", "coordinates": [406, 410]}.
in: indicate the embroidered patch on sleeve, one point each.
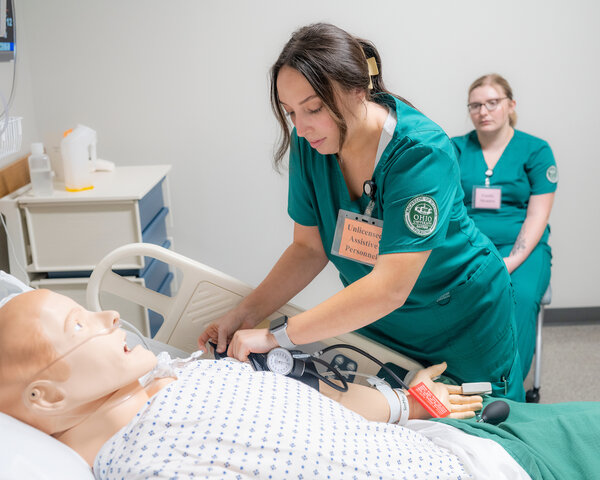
{"type": "Point", "coordinates": [421, 215]}
{"type": "Point", "coordinates": [552, 174]}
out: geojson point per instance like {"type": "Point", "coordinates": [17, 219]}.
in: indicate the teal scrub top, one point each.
{"type": "Point", "coordinates": [419, 161]}
{"type": "Point", "coordinates": [460, 309]}
{"type": "Point", "coordinates": [526, 167]}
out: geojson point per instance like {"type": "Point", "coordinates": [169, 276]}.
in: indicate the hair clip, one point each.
{"type": "Point", "coordinates": [373, 70]}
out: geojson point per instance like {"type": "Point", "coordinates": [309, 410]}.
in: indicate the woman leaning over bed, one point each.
{"type": "Point", "coordinates": [509, 179]}
{"type": "Point", "coordinates": [418, 275]}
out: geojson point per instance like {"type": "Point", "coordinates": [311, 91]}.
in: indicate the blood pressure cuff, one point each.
{"type": "Point", "coordinates": [259, 363]}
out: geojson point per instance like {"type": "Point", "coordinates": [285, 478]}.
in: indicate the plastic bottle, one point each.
{"type": "Point", "coordinates": [78, 150]}
{"type": "Point", "coordinates": [40, 171]}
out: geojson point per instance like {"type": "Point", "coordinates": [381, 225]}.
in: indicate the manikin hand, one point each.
{"type": "Point", "coordinates": [460, 406]}
{"type": "Point", "coordinates": [222, 329]}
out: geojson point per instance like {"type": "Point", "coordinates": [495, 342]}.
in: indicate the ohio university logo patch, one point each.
{"type": "Point", "coordinates": [552, 174]}
{"type": "Point", "coordinates": [421, 215]}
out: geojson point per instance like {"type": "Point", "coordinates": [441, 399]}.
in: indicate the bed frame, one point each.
{"type": "Point", "coordinates": [203, 295]}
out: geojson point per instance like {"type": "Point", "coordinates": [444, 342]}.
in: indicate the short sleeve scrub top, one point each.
{"type": "Point", "coordinates": [527, 167]}
{"type": "Point", "coordinates": [461, 307]}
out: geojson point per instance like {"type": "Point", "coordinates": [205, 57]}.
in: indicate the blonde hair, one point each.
{"type": "Point", "coordinates": [494, 79]}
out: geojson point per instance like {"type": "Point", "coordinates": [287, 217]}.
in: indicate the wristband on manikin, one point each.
{"type": "Point", "coordinates": [404, 406]}
{"type": "Point", "coordinates": [396, 399]}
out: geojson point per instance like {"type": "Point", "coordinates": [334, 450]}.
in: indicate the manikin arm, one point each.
{"type": "Point", "coordinates": [372, 404]}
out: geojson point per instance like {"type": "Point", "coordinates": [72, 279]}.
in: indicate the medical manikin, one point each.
{"type": "Point", "coordinates": [69, 373]}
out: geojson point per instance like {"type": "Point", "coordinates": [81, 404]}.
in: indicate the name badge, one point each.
{"type": "Point", "coordinates": [357, 237]}
{"type": "Point", "coordinates": [489, 198]}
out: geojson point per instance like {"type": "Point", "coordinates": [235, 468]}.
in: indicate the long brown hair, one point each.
{"type": "Point", "coordinates": [494, 79]}
{"type": "Point", "coordinates": [329, 58]}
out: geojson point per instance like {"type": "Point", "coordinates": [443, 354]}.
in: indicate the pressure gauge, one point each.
{"type": "Point", "coordinates": [280, 360]}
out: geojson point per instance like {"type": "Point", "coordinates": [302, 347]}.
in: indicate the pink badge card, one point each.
{"type": "Point", "coordinates": [489, 198]}
{"type": "Point", "coordinates": [357, 237]}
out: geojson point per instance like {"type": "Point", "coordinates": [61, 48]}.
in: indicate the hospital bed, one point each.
{"type": "Point", "coordinates": [202, 296]}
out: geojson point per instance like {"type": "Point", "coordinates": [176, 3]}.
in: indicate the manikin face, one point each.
{"type": "Point", "coordinates": [490, 121]}
{"type": "Point", "coordinates": [97, 356]}
{"type": "Point", "coordinates": [307, 111]}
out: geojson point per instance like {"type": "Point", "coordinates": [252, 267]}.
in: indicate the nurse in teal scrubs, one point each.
{"type": "Point", "coordinates": [374, 188]}
{"type": "Point", "coordinates": [509, 179]}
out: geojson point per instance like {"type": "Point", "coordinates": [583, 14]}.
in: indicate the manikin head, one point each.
{"type": "Point", "coordinates": [60, 362]}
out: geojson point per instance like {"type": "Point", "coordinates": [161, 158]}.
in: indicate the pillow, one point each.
{"type": "Point", "coordinates": [28, 453]}
{"type": "Point", "coordinates": [10, 287]}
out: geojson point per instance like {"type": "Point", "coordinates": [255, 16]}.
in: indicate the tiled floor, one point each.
{"type": "Point", "coordinates": [570, 364]}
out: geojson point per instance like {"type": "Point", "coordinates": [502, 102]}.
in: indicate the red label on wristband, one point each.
{"type": "Point", "coordinates": [429, 401]}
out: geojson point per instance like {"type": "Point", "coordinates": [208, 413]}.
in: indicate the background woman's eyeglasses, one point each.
{"type": "Point", "coordinates": [490, 105]}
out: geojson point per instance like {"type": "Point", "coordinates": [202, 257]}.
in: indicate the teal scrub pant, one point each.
{"type": "Point", "coordinates": [557, 441]}
{"type": "Point", "coordinates": [530, 282]}
{"type": "Point", "coordinates": [471, 327]}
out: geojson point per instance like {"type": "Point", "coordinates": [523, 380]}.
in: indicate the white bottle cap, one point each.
{"type": "Point", "coordinates": [37, 148]}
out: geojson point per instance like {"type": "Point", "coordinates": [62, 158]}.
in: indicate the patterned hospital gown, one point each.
{"type": "Point", "coordinates": [221, 419]}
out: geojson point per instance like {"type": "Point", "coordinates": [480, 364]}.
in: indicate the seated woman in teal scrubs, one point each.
{"type": "Point", "coordinates": [374, 187]}
{"type": "Point", "coordinates": [509, 179]}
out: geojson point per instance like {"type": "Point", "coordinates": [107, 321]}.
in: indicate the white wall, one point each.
{"type": "Point", "coordinates": [185, 82]}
